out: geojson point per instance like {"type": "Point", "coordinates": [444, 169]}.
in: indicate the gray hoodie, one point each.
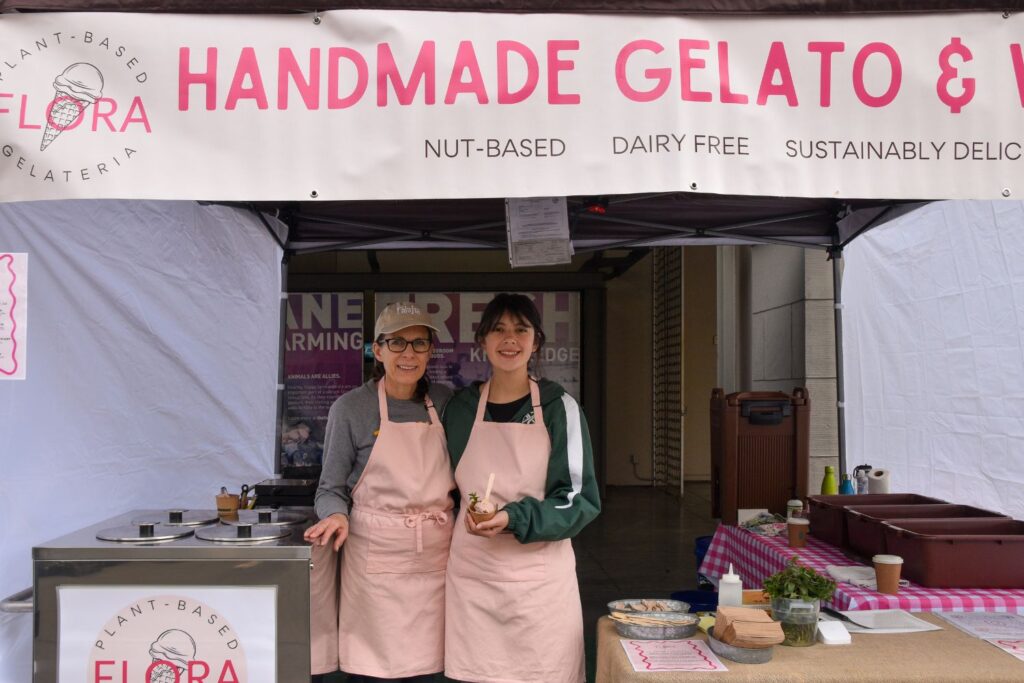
{"type": "Point", "coordinates": [350, 435]}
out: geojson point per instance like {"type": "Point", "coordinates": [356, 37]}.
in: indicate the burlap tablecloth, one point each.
{"type": "Point", "coordinates": [935, 656]}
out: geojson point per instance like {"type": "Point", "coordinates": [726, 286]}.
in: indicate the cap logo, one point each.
{"type": "Point", "coordinates": [406, 308]}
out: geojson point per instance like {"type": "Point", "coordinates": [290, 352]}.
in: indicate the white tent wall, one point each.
{"type": "Point", "coordinates": [151, 373]}
{"type": "Point", "coordinates": [934, 352]}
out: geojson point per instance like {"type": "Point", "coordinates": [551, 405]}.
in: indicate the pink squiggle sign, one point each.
{"type": "Point", "coordinates": [9, 361]}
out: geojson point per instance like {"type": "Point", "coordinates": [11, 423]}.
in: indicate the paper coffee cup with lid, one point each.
{"type": "Point", "coordinates": [798, 527]}
{"type": "Point", "coordinates": [887, 573]}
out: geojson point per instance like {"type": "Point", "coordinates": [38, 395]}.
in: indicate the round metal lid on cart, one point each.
{"type": "Point", "coordinates": [272, 517]}
{"type": "Point", "coordinates": [144, 533]}
{"type": "Point", "coordinates": [179, 517]}
{"type": "Point", "coordinates": [242, 533]}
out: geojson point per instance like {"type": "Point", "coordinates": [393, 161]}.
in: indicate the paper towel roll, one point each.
{"type": "Point", "coordinates": [878, 481]}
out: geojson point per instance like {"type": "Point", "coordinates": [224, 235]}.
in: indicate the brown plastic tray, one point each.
{"type": "Point", "coordinates": [959, 553]}
{"type": "Point", "coordinates": [864, 522]}
{"type": "Point", "coordinates": [828, 518]}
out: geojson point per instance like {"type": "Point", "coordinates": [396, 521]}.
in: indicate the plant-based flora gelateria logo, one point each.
{"type": "Point", "coordinates": [72, 109]}
{"type": "Point", "coordinates": [167, 639]}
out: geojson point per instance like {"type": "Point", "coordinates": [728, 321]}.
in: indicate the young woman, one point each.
{"type": "Point", "coordinates": [512, 602]}
{"type": "Point", "coordinates": [385, 493]}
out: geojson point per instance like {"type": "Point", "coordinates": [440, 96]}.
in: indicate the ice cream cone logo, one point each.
{"type": "Point", "coordinates": [168, 638]}
{"type": "Point", "coordinates": [74, 90]}
{"type": "Point", "coordinates": [171, 652]}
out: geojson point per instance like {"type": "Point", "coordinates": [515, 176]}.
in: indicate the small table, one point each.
{"type": "Point", "coordinates": [933, 656]}
{"type": "Point", "coordinates": [756, 557]}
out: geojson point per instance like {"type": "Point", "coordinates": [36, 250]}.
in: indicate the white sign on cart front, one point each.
{"type": "Point", "coordinates": [167, 634]}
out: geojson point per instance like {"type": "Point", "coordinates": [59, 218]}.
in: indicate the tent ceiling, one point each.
{"type": "Point", "coordinates": [619, 221]}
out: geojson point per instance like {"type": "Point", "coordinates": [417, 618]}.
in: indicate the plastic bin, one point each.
{"type": "Point", "coordinates": [759, 450]}
{"type": "Point", "coordinates": [864, 522]}
{"type": "Point", "coordinates": [828, 517]}
{"type": "Point", "coordinates": [959, 553]}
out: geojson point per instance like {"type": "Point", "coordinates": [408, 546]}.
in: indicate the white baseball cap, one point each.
{"type": "Point", "coordinates": [400, 315]}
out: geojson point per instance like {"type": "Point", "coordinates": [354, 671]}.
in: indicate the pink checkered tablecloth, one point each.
{"type": "Point", "coordinates": [755, 558]}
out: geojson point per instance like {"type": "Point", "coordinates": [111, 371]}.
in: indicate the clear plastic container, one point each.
{"type": "Point", "coordinates": [730, 590]}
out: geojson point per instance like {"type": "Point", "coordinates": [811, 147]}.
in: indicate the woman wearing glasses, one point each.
{"type": "Point", "coordinates": [513, 604]}
{"type": "Point", "coordinates": [385, 493]}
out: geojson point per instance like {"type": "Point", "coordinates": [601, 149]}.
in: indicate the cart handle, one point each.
{"type": "Point", "coordinates": [19, 602]}
{"type": "Point", "coordinates": [765, 412]}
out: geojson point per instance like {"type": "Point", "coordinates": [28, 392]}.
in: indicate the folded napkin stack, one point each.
{"type": "Point", "coordinates": [747, 627]}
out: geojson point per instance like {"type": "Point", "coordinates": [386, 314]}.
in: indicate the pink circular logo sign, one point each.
{"type": "Point", "coordinates": [167, 639]}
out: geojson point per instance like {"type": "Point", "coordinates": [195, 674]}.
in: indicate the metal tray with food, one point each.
{"type": "Point", "coordinates": [653, 619]}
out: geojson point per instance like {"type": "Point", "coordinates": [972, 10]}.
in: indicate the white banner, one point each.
{"type": "Point", "coordinates": [393, 104]}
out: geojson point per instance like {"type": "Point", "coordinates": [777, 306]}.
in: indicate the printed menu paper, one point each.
{"type": "Point", "coordinates": [1014, 647]}
{"type": "Point", "coordinates": [671, 655]}
{"type": "Point", "coordinates": [988, 625]}
{"type": "Point", "coordinates": [1005, 630]}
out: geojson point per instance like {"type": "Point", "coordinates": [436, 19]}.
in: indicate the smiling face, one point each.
{"type": "Point", "coordinates": [510, 344]}
{"type": "Point", "coordinates": [403, 368]}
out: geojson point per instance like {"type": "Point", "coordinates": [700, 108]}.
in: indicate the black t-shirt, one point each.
{"type": "Point", "coordinates": [504, 412]}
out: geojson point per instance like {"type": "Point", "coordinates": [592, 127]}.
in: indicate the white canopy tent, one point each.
{"type": "Point", "coordinates": [152, 371]}
{"type": "Point", "coordinates": [934, 349]}
{"type": "Point", "coordinates": [153, 327]}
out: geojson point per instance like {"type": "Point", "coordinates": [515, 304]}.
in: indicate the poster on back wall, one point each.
{"type": "Point", "coordinates": [323, 359]}
{"type": "Point", "coordinates": [457, 359]}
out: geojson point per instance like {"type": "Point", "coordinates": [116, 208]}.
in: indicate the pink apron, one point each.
{"type": "Point", "coordinates": [391, 620]}
{"type": "Point", "coordinates": [323, 610]}
{"type": "Point", "coordinates": [512, 609]}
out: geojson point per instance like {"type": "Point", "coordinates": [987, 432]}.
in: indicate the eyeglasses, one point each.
{"type": "Point", "coordinates": [398, 344]}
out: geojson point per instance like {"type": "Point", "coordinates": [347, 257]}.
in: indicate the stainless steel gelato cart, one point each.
{"type": "Point", "coordinates": [169, 595]}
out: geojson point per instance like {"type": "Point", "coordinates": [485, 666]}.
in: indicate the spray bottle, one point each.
{"type": "Point", "coordinates": [860, 473]}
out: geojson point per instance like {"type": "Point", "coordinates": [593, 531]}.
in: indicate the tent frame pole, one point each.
{"type": "Point", "coordinates": [282, 405]}
{"type": "Point", "coordinates": [836, 255]}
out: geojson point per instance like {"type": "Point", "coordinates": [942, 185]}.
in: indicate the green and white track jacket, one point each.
{"type": "Point", "coordinates": [571, 497]}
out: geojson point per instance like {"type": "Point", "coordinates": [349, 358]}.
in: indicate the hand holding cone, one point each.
{"type": "Point", "coordinates": [483, 510]}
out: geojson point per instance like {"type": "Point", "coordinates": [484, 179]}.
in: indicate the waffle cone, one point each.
{"type": "Point", "coordinates": [481, 516]}
{"type": "Point", "coordinates": [63, 111]}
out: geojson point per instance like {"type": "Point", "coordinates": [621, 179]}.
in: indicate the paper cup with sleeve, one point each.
{"type": "Point", "coordinates": [798, 528]}
{"type": "Point", "coordinates": [227, 505]}
{"type": "Point", "coordinates": [887, 573]}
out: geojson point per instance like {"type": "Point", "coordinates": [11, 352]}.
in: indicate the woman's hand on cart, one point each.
{"type": "Point", "coordinates": [491, 527]}
{"type": "Point", "coordinates": [321, 532]}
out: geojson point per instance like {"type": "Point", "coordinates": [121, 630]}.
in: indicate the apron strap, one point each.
{"type": "Point", "coordinates": [485, 391]}
{"type": "Point", "coordinates": [434, 419]}
{"type": "Point", "coordinates": [538, 414]}
{"type": "Point", "coordinates": [382, 401]}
